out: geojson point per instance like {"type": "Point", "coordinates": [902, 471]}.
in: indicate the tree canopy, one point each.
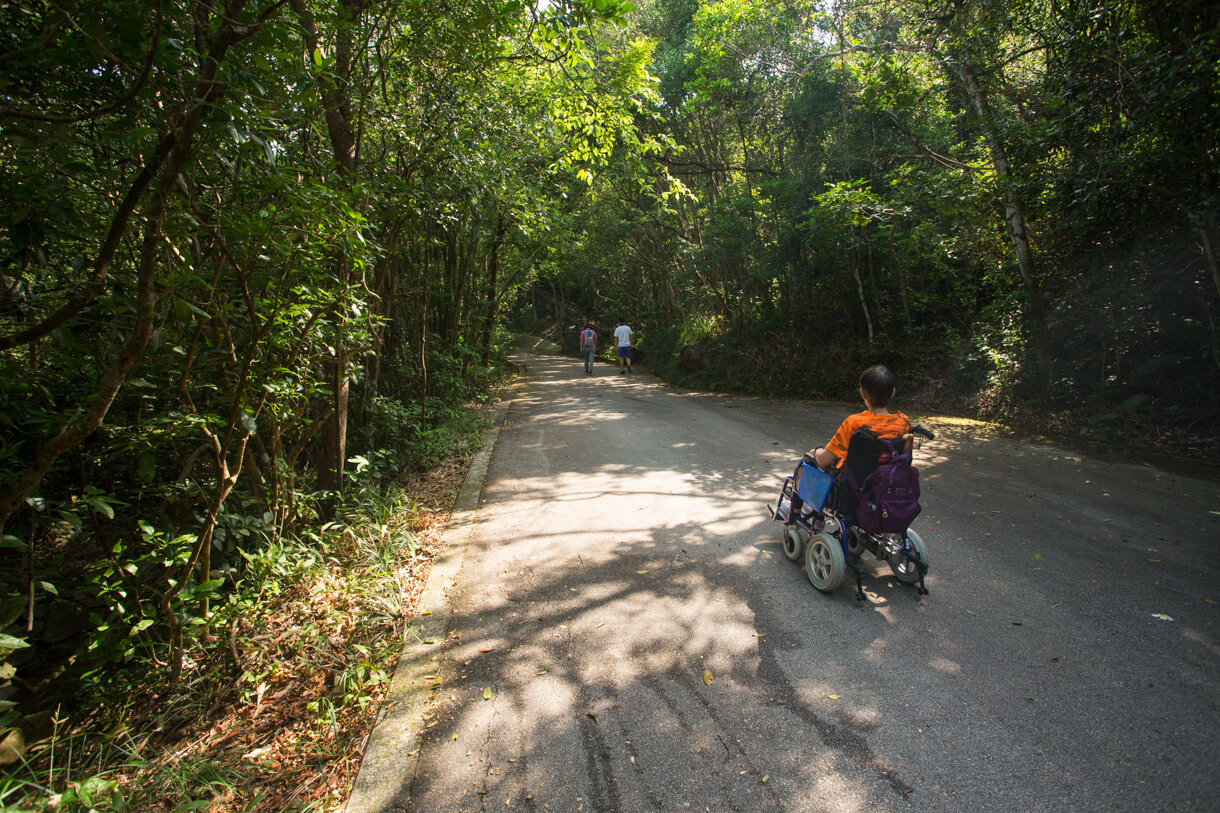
{"type": "Point", "coordinates": [257, 250]}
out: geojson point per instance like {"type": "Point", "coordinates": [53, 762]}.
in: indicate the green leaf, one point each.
{"type": "Point", "coordinates": [210, 586]}
{"type": "Point", "coordinates": [9, 642]}
{"type": "Point", "coordinates": [93, 790]}
{"type": "Point", "coordinates": [184, 309]}
{"type": "Point", "coordinates": [50, 588]}
{"type": "Point", "coordinates": [101, 506]}
{"type": "Point", "coordinates": [10, 541]}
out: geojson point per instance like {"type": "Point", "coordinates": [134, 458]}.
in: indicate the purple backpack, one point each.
{"type": "Point", "coordinates": [888, 499]}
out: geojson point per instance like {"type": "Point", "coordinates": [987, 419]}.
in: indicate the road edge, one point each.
{"type": "Point", "coordinates": [391, 755]}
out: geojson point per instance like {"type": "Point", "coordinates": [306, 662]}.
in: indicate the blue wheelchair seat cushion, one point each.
{"type": "Point", "coordinates": [814, 487]}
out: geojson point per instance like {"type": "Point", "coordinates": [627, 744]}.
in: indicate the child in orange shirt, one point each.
{"type": "Point", "coordinates": [877, 387]}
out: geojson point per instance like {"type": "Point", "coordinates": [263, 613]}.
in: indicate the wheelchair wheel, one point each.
{"type": "Point", "coordinates": [905, 570]}
{"type": "Point", "coordinates": [794, 543]}
{"type": "Point", "coordinates": [824, 562]}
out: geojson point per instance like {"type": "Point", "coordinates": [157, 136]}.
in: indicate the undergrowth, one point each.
{"type": "Point", "coordinates": [981, 382]}
{"type": "Point", "coordinates": [277, 697]}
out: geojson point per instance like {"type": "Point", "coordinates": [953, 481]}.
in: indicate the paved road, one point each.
{"type": "Point", "coordinates": [622, 548]}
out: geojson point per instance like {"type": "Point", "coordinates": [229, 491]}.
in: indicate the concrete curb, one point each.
{"type": "Point", "coordinates": [391, 757]}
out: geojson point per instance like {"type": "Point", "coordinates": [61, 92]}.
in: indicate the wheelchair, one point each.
{"type": "Point", "coordinates": [817, 508]}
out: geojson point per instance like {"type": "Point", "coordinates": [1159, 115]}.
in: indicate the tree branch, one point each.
{"type": "Point", "coordinates": [15, 113]}
{"type": "Point", "coordinates": [926, 150]}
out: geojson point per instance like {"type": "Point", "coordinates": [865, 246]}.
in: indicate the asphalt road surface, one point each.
{"type": "Point", "coordinates": [1065, 659]}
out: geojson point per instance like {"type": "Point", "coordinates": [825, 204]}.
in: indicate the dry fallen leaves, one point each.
{"type": "Point", "coordinates": [285, 740]}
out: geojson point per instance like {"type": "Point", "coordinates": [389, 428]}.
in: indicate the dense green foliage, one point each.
{"type": "Point", "coordinates": [258, 253]}
{"type": "Point", "coordinates": [1014, 204]}
{"type": "Point", "coordinates": [253, 251]}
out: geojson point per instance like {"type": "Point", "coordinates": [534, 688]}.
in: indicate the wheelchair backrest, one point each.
{"type": "Point", "coordinates": [864, 452]}
{"type": "Point", "coordinates": [885, 484]}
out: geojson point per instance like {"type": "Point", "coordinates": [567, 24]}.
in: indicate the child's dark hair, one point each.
{"type": "Point", "coordinates": [878, 384]}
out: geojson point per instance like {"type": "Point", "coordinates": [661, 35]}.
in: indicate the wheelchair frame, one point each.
{"type": "Point", "coordinates": [832, 545]}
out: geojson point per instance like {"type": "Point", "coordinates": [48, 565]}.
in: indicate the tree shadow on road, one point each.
{"type": "Point", "coordinates": [596, 683]}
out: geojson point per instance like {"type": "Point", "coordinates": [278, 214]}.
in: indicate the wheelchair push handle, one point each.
{"type": "Point", "coordinates": [909, 440]}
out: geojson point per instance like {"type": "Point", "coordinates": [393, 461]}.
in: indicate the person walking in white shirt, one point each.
{"type": "Point", "coordinates": [622, 336]}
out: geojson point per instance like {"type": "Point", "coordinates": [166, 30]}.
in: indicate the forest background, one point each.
{"type": "Point", "coordinates": [261, 260]}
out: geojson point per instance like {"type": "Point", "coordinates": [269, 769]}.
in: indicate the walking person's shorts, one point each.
{"type": "Point", "coordinates": [624, 352]}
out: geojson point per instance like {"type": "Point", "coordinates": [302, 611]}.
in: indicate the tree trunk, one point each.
{"type": "Point", "coordinates": [493, 271]}
{"type": "Point", "coordinates": [908, 341]}
{"type": "Point", "coordinates": [423, 345]}
{"type": "Point", "coordinates": [872, 275]}
{"type": "Point", "coordinates": [337, 109]}
{"type": "Point", "coordinates": [854, 262]}
{"type": "Point", "coordinates": [902, 282]}
{"type": "Point", "coordinates": [333, 437]}
{"type": "Point", "coordinates": [1014, 216]}
{"type": "Point", "coordinates": [1210, 253]}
